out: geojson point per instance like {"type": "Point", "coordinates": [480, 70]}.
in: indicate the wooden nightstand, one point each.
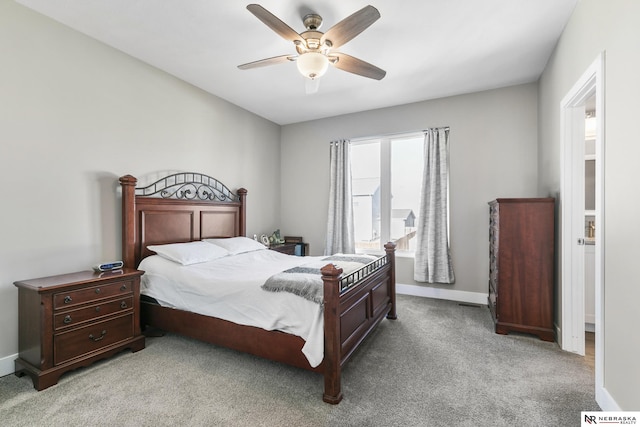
{"type": "Point", "coordinates": [72, 320]}
{"type": "Point", "coordinates": [292, 246]}
{"type": "Point", "coordinates": [285, 248]}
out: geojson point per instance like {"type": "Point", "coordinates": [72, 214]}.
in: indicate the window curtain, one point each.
{"type": "Point", "coordinates": [340, 234]}
{"type": "Point", "coordinates": [432, 263]}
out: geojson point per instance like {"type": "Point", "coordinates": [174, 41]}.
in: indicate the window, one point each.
{"type": "Point", "coordinates": [386, 177]}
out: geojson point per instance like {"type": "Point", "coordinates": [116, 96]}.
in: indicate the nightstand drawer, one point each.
{"type": "Point", "coordinates": [285, 248]}
{"type": "Point", "coordinates": [81, 296]}
{"type": "Point", "coordinates": [71, 318]}
{"type": "Point", "coordinates": [79, 342]}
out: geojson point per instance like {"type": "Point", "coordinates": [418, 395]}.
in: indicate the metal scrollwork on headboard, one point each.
{"type": "Point", "coordinates": [188, 186]}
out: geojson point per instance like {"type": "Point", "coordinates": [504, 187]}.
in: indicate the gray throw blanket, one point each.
{"type": "Point", "coordinates": [306, 280]}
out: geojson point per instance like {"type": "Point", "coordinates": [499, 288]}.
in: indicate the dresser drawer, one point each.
{"type": "Point", "coordinates": [93, 337]}
{"type": "Point", "coordinates": [72, 318]}
{"type": "Point", "coordinates": [80, 296]}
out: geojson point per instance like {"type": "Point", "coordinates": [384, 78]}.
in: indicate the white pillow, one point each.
{"type": "Point", "coordinates": [189, 253]}
{"type": "Point", "coordinates": [237, 245]}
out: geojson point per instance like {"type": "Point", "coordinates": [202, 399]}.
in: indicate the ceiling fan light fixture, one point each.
{"type": "Point", "coordinates": [312, 64]}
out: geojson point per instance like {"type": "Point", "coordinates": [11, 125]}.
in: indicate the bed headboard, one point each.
{"type": "Point", "coordinates": [181, 207]}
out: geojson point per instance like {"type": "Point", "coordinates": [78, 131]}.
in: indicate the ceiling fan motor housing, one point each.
{"type": "Point", "coordinates": [312, 21]}
{"type": "Point", "coordinates": [312, 41]}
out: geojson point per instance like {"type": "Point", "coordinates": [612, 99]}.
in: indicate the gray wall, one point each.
{"type": "Point", "coordinates": [74, 116]}
{"type": "Point", "coordinates": [610, 27]}
{"type": "Point", "coordinates": [493, 146]}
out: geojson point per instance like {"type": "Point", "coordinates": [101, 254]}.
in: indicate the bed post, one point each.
{"type": "Point", "coordinates": [128, 184]}
{"type": "Point", "coordinates": [242, 194]}
{"type": "Point", "coordinates": [332, 347]}
{"type": "Point", "coordinates": [390, 249]}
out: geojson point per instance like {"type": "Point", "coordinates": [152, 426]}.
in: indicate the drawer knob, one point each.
{"type": "Point", "coordinates": [94, 339]}
{"type": "Point", "coordinates": [123, 287]}
{"type": "Point", "coordinates": [67, 299]}
{"type": "Point", "coordinates": [67, 319]}
{"type": "Point", "coordinates": [123, 304]}
{"type": "Point", "coordinates": [97, 308]}
{"type": "Point", "coordinates": [97, 290]}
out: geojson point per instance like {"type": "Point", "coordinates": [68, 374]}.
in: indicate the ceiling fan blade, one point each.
{"type": "Point", "coordinates": [351, 26]}
{"type": "Point", "coordinates": [268, 61]}
{"type": "Point", "coordinates": [356, 66]}
{"type": "Point", "coordinates": [274, 23]}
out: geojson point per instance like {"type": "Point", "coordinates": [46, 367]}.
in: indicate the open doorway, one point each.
{"type": "Point", "coordinates": [590, 158]}
{"type": "Point", "coordinates": [578, 223]}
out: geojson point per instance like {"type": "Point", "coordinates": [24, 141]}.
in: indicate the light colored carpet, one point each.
{"type": "Point", "coordinates": [439, 364]}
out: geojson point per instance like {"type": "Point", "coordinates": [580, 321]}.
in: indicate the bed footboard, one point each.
{"type": "Point", "coordinates": [353, 306]}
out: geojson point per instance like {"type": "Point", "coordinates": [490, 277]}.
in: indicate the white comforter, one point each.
{"type": "Point", "coordinates": [229, 288]}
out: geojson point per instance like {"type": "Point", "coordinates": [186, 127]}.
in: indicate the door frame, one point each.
{"type": "Point", "coordinates": [572, 108]}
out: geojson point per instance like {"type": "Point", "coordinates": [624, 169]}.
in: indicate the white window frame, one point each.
{"type": "Point", "coordinates": [385, 184]}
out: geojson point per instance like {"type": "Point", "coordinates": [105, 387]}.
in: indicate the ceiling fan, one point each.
{"type": "Point", "coordinates": [315, 49]}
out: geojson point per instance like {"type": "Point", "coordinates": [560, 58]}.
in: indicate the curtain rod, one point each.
{"type": "Point", "coordinates": [394, 134]}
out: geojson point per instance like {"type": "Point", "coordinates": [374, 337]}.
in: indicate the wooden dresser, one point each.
{"type": "Point", "coordinates": [521, 264]}
{"type": "Point", "coordinates": [72, 320]}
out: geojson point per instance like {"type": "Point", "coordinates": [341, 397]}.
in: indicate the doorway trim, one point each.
{"type": "Point", "coordinates": [572, 108]}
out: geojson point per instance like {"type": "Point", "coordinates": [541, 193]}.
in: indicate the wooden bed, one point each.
{"type": "Point", "coordinates": [190, 206]}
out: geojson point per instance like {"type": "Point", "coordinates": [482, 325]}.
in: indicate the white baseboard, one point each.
{"type": "Point", "coordinates": [605, 401]}
{"type": "Point", "coordinates": [439, 293]}
{"type": "Point", "coordinates": [6, 365]}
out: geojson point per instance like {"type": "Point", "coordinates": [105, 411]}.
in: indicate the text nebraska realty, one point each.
{"type": "Point", "coordinates": [609, 419]}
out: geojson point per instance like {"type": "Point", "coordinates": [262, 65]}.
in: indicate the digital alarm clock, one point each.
{"type": "Point", "coordinates": [108, 266]}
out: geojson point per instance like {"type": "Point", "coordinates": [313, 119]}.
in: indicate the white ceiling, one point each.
{"type": "Point", "coordinates": [429, 48]}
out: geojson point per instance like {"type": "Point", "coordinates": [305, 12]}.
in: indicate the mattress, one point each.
{"type": "Point", "coordinates": [229, 288]}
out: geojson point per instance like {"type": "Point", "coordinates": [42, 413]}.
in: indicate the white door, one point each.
{"type": "Point", "coordinates": [572, 209]}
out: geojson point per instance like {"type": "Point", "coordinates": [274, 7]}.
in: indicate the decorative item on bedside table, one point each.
{"type": "Point", "coordinates": [275, 238]}
{"type": "Point", "coordinates": [75, 319]}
